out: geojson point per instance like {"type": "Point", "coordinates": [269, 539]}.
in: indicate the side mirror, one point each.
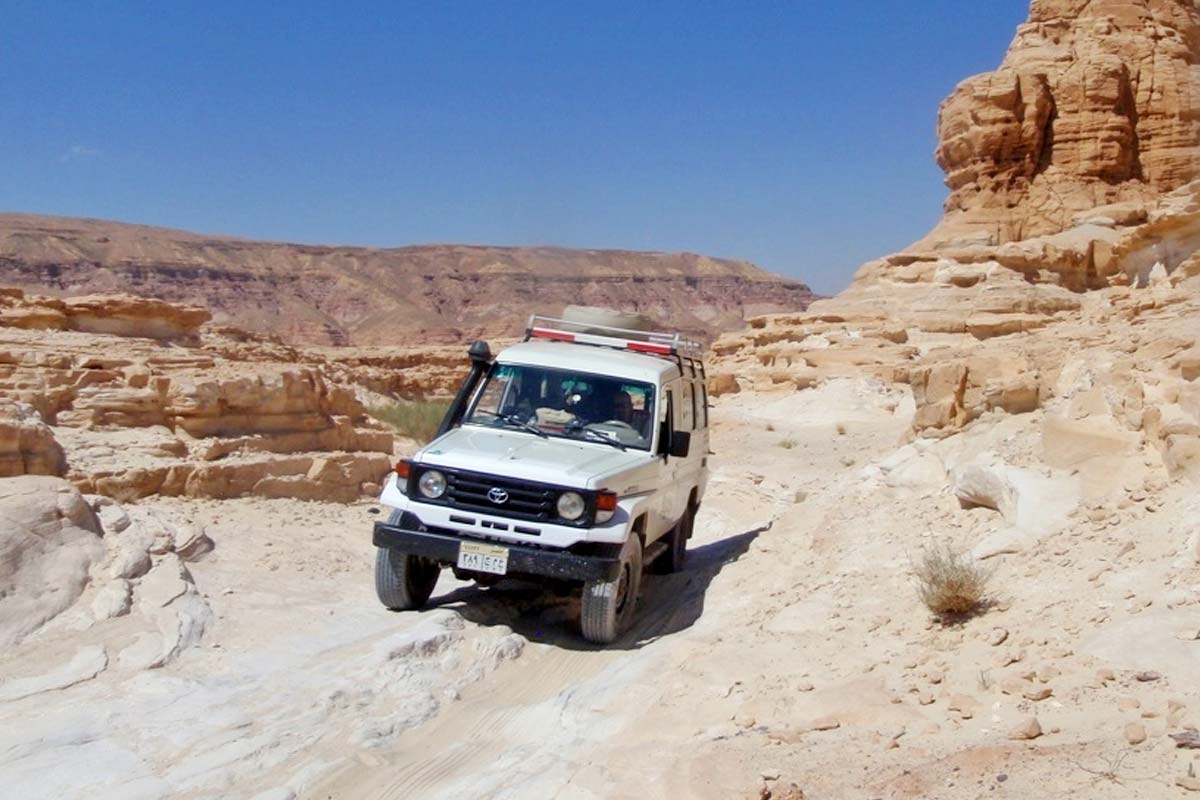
{"type": "Point", "coordinates": [681, 443]}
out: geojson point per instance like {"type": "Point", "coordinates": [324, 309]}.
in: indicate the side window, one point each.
{"type": "Point", "coordinates": [687, 408]}
{"type": "Point", "coordinates": [666, 420]}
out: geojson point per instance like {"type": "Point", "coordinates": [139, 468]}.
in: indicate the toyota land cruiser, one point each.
{"type": "Point", "coordinates": [578, 455]}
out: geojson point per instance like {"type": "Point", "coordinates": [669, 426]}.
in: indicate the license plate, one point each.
{"type": "Point", "coordinates": [483, 558]}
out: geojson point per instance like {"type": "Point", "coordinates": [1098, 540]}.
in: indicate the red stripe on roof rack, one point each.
{"type": "Point", "coordinates": [643, 347]}
{"type": "Point", "coordinates": [542, 333]}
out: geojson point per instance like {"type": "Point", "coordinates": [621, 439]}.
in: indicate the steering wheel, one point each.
{"type": "Point", "coordinates": [619, 424]}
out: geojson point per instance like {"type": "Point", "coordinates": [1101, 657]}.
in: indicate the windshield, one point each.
{"type": "Point", "coordinates": [575, 405]}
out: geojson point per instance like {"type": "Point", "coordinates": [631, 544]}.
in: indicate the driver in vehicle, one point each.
{"type": "Point", "coordinates": [622, 407]}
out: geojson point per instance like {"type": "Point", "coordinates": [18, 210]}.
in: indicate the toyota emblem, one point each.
{"type": "Point", "coordinates": [497, 495]}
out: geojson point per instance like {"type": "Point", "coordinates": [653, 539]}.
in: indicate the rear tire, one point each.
{"type": "Point", "coordinates": [609, 606]}
{"type": "Point", "coordinates": [403, 581]}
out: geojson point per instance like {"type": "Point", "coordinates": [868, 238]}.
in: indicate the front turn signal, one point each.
{"type": "Point", "coordinates": [403, 469]}
{"type": "Point", "coordinates": [606, 504]}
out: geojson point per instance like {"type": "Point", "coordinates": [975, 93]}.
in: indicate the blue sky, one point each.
{"type": "Point", "coordinates": [797, 135]}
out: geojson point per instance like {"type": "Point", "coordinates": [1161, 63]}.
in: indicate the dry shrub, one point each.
{"type": "Point", "coordinates": [417, 419]}
{"type": "Point", "coordinates": [788, 444]}
{"type": "Point", "coordinates": [949, 582]}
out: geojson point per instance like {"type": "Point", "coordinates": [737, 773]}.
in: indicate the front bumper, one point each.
{"type": "Point", "coordinates": [443, 546]}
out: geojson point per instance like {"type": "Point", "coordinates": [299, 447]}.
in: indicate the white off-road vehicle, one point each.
{"type": "Point", "coordinates": [578, 455]}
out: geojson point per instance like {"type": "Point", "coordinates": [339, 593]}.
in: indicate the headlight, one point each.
{"type": "Point", "coordinates": [571, 505]}
{"type": "Point", "coordinates": [432, 484]}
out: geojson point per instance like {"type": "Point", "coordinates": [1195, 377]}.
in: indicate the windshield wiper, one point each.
{"type": "Point", "coordinates": [512, 420]}
{"type": "Point", "coordinates": [600, 436]}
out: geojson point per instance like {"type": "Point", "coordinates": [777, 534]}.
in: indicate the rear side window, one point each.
{"type": "Point", "coordinates": [687, 408]}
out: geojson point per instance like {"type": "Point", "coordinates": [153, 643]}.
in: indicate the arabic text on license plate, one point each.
{"type": "Point", "coordinates": [483, 558]}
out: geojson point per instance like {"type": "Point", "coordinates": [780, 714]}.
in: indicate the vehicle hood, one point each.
{"type": "Point", "coordinates": [517, 454]}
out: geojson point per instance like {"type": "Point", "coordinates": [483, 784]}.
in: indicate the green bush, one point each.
{"type": "Point", "coordinates": [416, 419]}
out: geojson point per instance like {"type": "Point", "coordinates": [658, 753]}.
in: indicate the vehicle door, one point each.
{"type": "Point", "coordinates": [676, 468]}
{"type": "Point", "coordinates": [691, 418]}
{"type": "Point", "coordinates": [698, 457]}
{"type": "Point", "coordinates": [667, 490]}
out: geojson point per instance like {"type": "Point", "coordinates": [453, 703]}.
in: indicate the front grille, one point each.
{"type": "Point", "coordinates": [536, 502]}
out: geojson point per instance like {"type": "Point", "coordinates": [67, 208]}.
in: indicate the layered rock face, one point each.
{"type": "Point", "coordinates": [27, 445]}
{"type": "Point", "coordinates": [144, 407]}
{"type": "Point", "coordinates": [1096, 103]}
{"type": "Point", "coordinates": [1065, 275]}
{"type": "Point", "coordinates": [311, 294]}
{"type": "Point", "coordinates": [112, 314]}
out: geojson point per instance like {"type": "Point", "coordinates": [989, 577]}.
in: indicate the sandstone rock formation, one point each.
{"type": "Point", "coordinates": [144, 407]}
{"type": "Point", "coordinates": [120, 315]}
{"type": "Point", "coordinates": [1065, 275]}
{"type": "Point", "coordinates": [1094, 113]}
{"type": "Point", "coordinates": [355, 295]}
{"type": "Point", "coordinates": [27, 445]}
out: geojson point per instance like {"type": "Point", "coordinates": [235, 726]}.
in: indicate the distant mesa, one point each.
{"type": "Point", "coordinates": [335, 295]}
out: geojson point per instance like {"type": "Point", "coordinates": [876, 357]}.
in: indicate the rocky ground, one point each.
{"type": "Point", "coordinates": [793, 641]}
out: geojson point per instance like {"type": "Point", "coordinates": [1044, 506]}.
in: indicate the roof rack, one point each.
{"type": "Point", "coordinates": [652, 342]}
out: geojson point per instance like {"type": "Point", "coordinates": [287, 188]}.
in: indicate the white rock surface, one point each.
{"type": "Point", "coordinates": [49, 539]}
{"type": "Point", "coordinates": [112, 600]}
{"type": "Point", "coordinates": [85, 665]}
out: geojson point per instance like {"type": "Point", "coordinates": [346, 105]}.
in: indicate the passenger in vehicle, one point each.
{"type": "Point", "coordinates": [622, 407]}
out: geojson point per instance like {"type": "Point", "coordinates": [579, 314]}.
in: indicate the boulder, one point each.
{"type": "Point", "coordinates": [113, 600]}
{"type": "Point", "coordinates": [723, 383]}
{"type": "Point", "coordinates": [49, 540]}
{"type": "Point", "coordinates": [1031, 501]}
{"type": "Point", "coordinates": [27, 445]}
{"type": "Point", "coordinates": [951, 393]}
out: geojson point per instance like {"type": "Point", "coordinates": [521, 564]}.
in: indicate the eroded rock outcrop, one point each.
{"type": "Point", "coordinates": [1064, 277]}
{"type": "Point", "coordinates": [119, 315]}
{"type": "Point", "coordinates": [104, 402]}
{"type": "Point", "coordinates": [27, 445]}
{"type": "Point", "coordinates": [1093, 112]}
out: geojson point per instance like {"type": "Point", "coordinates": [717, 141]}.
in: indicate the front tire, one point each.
{"type": "Point", "coordinates": [403, 581]}
{"type": "Point", "coordinates": [609, 606]}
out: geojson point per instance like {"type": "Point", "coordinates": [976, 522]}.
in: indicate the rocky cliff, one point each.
{"type": "Point", "coordinates": [1064, 277]}
{"type": "Point", "coordinates": [128, 397]}
{"type": "Point", "coordinates": [355, 295]}
{"type": "Point", "coordinates": [1096, 103]}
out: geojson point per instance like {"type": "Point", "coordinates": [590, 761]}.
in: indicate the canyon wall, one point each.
{"type": "Point", "coordinates": [1064, 277]}
{"type": "Point", "coordinates": [314, 294]}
